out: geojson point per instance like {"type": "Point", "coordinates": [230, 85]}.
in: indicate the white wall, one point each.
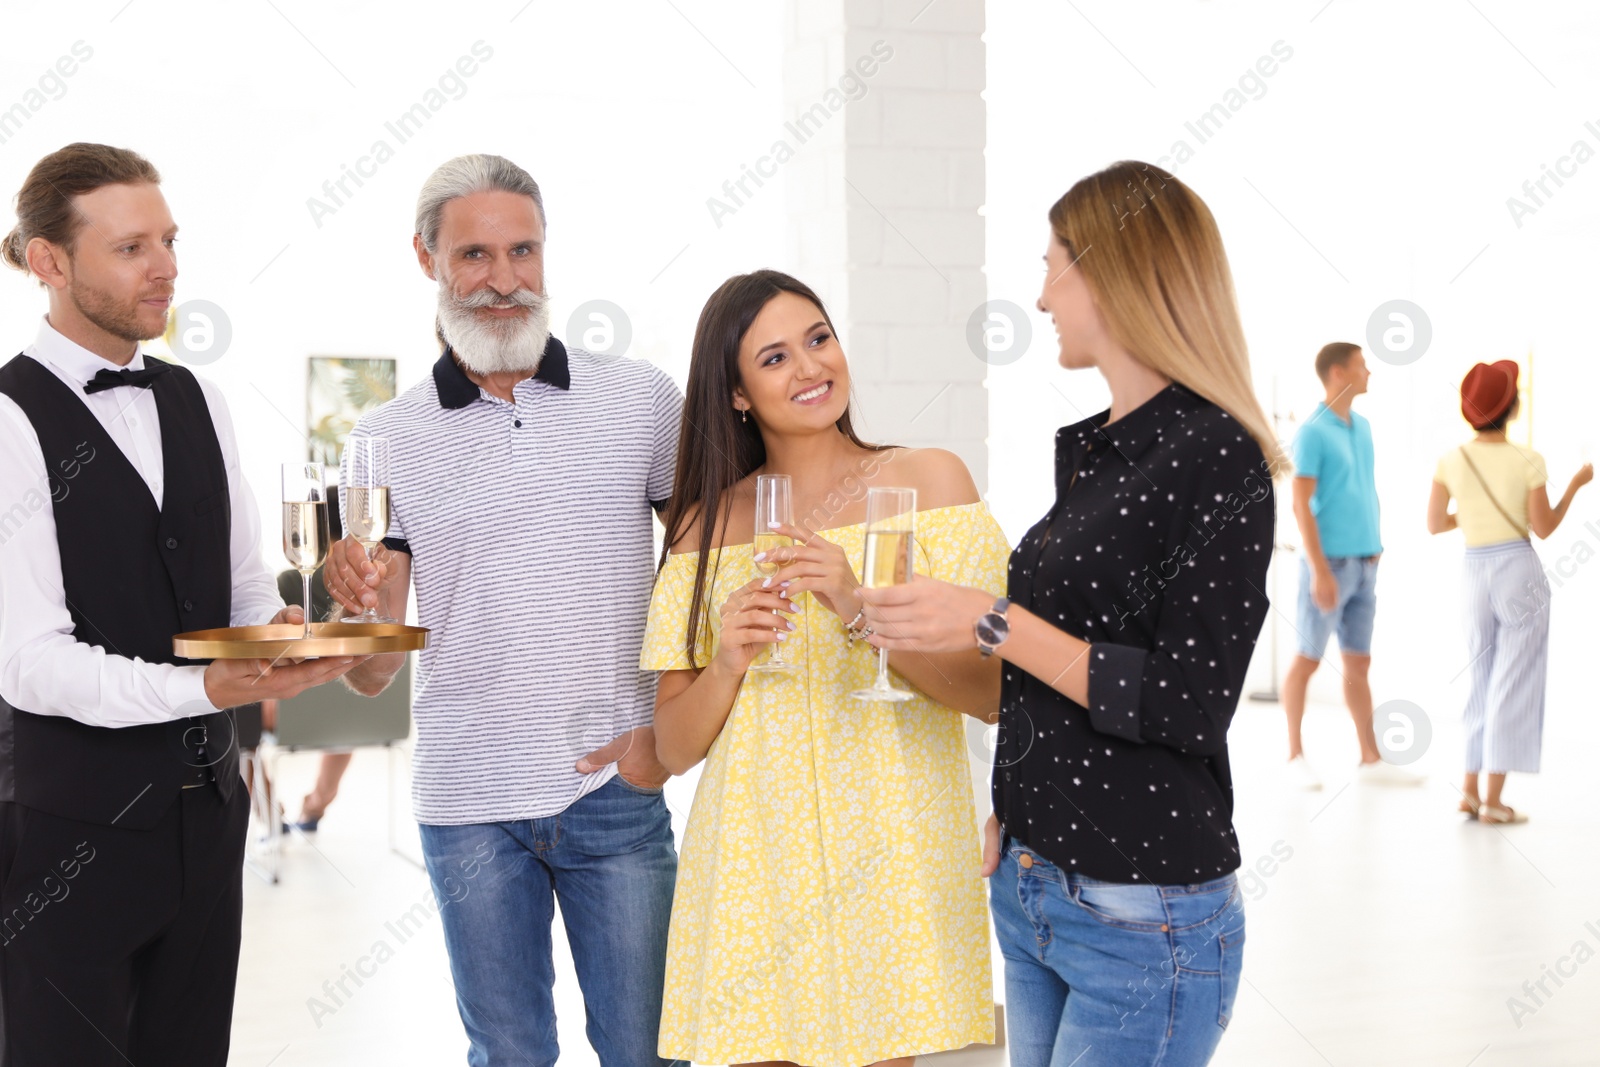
{"type": "Point", "coordinates": [885, 205]}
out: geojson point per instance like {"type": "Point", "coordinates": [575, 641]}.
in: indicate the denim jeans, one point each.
{"type": "Point", "coordinates": [1354, 610]}
{"type": "Point", "coordinates": [609, 859]}
{"type": "Point", "coordinates": [1109, 974]}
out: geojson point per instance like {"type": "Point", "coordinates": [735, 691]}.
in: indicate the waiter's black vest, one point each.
{"type": "Point", "coordinates": [134, 575]}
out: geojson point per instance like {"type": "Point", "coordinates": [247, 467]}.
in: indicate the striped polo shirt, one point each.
{"type": "Point", "coordinates": [530, 534]}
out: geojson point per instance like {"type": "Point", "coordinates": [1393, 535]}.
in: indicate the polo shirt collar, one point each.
{"type": "Point", "coordinates": [1322, 408]}
{"type": "Point", "coordinates": [456, 390]}
{"type": "Point", "coordinates": [1136, 431]}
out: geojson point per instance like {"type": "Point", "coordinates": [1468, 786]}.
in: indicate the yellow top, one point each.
{"type": "Point", "coordinates": [829, 908]}
{"type": "Point", "coordinates": [1511, 471]}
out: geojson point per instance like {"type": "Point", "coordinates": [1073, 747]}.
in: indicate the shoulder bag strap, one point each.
{"type": "Point", "coordinates": [1521, 531]}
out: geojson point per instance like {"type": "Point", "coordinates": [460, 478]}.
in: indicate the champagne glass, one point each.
{"type": "Point", "coordinates": [774, 503]}
{"type": "Point", "coordinates": [305, 524]}
{"type": "Point", "coordinates": [891, 533]}
{"type": "Point", "coordinates": [366, 501]}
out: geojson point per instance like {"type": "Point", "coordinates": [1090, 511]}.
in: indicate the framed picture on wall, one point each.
{"type": "Point", "coordinates": [339, 389]}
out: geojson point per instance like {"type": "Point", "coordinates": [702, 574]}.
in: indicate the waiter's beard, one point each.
{"type": "Point", "coordinates": [118, 320]}
{"type": "Point", "coordinates": [488, 345]}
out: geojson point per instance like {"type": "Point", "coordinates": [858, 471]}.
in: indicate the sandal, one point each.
{"type": "Point", "coordinates": [1500, 816]}
{"type": "Point", "coordinates": [1469, 806]}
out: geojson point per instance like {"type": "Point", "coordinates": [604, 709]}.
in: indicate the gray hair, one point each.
{"type": "Point", "coordinates": [464, 176]}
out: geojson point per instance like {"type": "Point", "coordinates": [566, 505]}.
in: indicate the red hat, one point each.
{"type": "Point", "coordinates": [1488, 391]}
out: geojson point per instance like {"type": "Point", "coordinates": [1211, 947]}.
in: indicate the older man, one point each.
{"type": "Point", "coordinates": [523, 477]}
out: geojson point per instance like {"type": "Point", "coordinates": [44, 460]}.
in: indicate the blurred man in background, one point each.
{"type": "Point", "coordinates": [1336, 508]}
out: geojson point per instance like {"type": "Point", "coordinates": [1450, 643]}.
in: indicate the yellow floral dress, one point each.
{"type": "Point", "coordinates": [829, 908]}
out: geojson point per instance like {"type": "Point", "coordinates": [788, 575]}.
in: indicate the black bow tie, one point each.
{"type": "Point", "coordinates": [110, 379]}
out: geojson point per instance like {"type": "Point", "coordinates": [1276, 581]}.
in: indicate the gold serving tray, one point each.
{"type": "Point", "coordinates": [286, 641]}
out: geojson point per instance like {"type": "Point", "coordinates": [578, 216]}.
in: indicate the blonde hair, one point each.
{"type": "Point", "coordinates": [1152, 256]}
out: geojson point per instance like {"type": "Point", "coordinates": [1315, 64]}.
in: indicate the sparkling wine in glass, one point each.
{"type": "Point", "coordinates": [366, 501]}
{"type": "Point", "coordinates": [891, 536]}
{"type": "Point", "coordinates": [774, 503]}
{"type": "Point", "coordinates": [305, 524]}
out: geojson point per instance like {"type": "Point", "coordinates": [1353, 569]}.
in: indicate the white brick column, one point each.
{"type": "Point", "coordinates": [883, 205]}
{"type": "Point", "coordinates": [884, 200]}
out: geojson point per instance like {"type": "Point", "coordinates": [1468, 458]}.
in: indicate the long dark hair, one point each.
{"type": "Point", "coordinates": [716, 448]}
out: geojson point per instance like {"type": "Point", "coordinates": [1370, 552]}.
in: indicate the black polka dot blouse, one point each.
{"type": "Point", "coordinates": [1155, 553]}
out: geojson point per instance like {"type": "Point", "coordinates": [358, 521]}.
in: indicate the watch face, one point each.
{"type": "Point", "coordinates": [993, 628]}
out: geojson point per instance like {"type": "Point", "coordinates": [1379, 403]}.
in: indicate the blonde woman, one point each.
{"type": "Point", "coordinates": [1501, 496]}
{"type": "Point", "coordinates": [1132, 611]}
{"type": "Point", "coordinates": [829, 908]}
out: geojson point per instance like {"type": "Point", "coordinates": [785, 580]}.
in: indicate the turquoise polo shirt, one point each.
{"type": "Point", "coordinates": [1339, 456]}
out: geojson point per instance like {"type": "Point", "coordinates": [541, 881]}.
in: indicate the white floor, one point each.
{"type": "Point", "coordinates": [1393, 933]}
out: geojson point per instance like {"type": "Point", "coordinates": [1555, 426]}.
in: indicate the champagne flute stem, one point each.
{"type": "Point", "coordinates": [305, 600]}
{"type": "Point", "coordinates": [369, 613]}
{"type": "Point", "coordinates": [883, 668]}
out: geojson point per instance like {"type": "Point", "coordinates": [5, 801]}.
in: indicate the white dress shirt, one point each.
{"type": "Point", "coordinates": [43, 667]}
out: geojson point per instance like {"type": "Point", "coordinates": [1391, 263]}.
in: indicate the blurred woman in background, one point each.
{"type": "Point", "coordinates": [1500, 494]}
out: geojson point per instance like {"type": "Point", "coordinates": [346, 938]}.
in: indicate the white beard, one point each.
{"type": "Point", "coordinates": [494, 346]}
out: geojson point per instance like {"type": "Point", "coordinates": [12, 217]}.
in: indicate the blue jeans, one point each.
{"type": "Point", "coordinates": [1353, 611]}
{"type": "Point", "coordinates": [1109, 974]}
{"type": "Point", "coordinates": [610, 859]}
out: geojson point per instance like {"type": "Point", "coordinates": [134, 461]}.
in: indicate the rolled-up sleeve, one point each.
{"type": "Point", "coordinates": [1182, 691]}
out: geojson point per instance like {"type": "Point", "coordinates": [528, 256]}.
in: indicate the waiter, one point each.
{"type": "Point", "coordinates": [124, 519]}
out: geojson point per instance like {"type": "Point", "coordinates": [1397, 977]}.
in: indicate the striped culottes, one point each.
{"type": "Point", "coordinates": [1508, 640]}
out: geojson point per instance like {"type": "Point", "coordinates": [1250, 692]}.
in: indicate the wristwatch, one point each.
{"type": "Point", "coordinates": [992, 627]}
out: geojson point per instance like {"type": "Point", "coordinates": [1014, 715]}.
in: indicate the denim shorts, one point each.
{"type": "Point", "coordinates": [1104, 974]}
{"type": "Point", "coordinates": [1353, 611]}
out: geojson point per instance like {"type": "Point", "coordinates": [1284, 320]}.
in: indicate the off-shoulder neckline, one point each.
{"type": "Point", "coordinates": [832, 529]}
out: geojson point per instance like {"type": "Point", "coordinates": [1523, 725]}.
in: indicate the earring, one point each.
{"type": "Point", "coordinates": [744, 415]}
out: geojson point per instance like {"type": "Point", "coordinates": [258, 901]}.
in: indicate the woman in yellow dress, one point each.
{"type": "Point", "coordinates": [829, 909]}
